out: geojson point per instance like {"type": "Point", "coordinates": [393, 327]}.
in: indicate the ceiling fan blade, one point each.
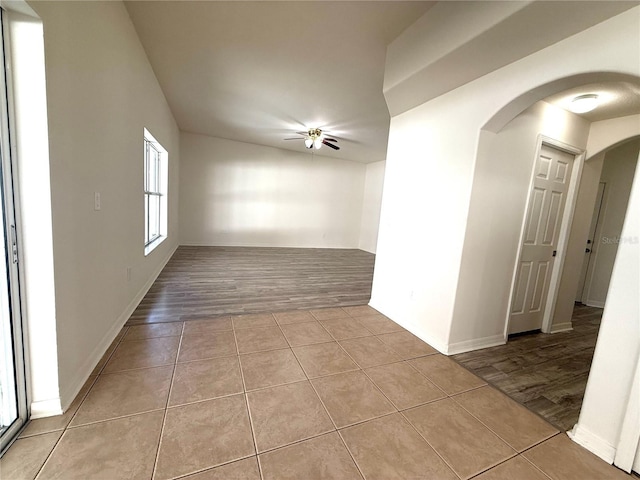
{"type": "Point", "coordinates": [296, 138]}
{"type": "Point", "coordinates": [331, 145]}
{"type": "Point", "coordinates": [330, 139]}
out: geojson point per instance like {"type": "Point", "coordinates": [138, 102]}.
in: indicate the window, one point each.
{"type": "Point", "coordinates": [155, 193]}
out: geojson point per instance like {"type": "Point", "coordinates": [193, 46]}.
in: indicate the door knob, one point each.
{"type": "Point", "coordinates": [554, 253]}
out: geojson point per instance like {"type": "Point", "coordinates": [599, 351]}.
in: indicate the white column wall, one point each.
{"type": "Point", "coordinates": [101, 93]}
{"type": "Point", "coordinates": [431, 163]}
{"type": "Point", "coordinates": [616, 355]}
{"type": "Point", "coordinates": [371, 203]}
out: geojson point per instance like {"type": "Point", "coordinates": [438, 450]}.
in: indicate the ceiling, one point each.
{"type": "Point", "coordinates": [617, 99]}
{"type": "Point", "coordinates": [257, 72]}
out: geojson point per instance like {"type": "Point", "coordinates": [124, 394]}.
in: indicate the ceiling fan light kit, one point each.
{"type": "Point", "coordinates": [314, 138]}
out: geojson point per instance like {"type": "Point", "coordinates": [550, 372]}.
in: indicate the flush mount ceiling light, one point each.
{"type": "Point", "coordinates": [584, 103]}
{"type": "Point", "coordinates": [314, 138]}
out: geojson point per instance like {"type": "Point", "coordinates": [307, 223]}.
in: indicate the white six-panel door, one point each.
{"type": "Point", "coordinates": [547, 200]}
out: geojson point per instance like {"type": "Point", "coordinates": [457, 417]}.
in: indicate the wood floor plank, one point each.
{"type": "Point", "coordinates": [546, 373]}
{"type": "Point", "coordinates": [201, 282]}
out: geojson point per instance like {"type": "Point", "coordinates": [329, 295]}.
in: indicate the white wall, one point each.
{"type": "Point", "coordinates": [101, 93]}
{"type": "Point", "coordinates": [430, 170]}
{"type": "Point", "coordinates": [240, 194]}
{"type": "Point", "coordinates": [606, 133]}
{"type": "Point", "coordinates": [371, 203]}
{"type": "Point", "coordinates": [498, 202]}
{"type": "Point", "coordinates": [616, 355]}
{"type": "Point", "coordinates": [617, 174]}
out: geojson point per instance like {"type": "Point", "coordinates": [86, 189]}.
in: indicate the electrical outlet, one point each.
{"type": "Point", "coordinates": [97, 204]}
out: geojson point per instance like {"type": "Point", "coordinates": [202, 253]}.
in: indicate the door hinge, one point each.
{"type": "Point", "coordinates": [555, 252]}
{"type": "Point", "coordinates": [14, 244]}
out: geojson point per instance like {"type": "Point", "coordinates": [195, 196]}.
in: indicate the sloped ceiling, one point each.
{"type": "Point", "coordinates": [260, 71]}
{"type": "Point", "coordinates": [257, 72]}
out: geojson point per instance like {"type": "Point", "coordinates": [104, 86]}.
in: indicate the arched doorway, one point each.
{"type": "Point", "coordinates": [598, 138]}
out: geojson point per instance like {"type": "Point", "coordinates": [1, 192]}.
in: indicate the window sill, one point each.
{"type": "Point", "coordinates": [152, 246]}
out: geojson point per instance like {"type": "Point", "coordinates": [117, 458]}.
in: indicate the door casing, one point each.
{"type": "Point", "coordinates": [585, 279]}
{"type": "Point", "coordinates": [12, 205]}
{"type": "Point", "coordinates": [565, 229]}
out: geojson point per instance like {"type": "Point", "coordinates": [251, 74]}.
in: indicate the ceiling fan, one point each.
{"type": "Point", "coordinates": [314, 138]}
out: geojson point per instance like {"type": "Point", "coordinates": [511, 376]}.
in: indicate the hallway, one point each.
{"type": "Point", "coordinates": [546, 373]}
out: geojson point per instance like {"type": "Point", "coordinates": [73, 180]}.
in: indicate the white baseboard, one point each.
{"type": "Point", "coordinates": [438, 345]}
{"type": "Point", "coordinates": [593, 443]}
{"type": "Point", "coordinates": [269, 245]}
{"type": "Point", "coordinates": [592, 303]}
{"type": "Point", "coordinates": [561, 327]}
{"type": "Point", "coordinates": [446, 349]}
{"type": "Point", "coordinates": [45, 408]}
{"type": "Point", "coordinates": [67, 396]}
{"type": "Point", "coordinates": [475, 344]}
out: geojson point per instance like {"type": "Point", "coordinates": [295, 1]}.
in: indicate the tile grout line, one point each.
{"type": "Point", "coordinates": [428, 443]}
{"type": "Point", "coordinates": [496, 387]}
{"type": "Point", "coordinates": [375, 385]}
{"type": "Point", "coordinates": [308, 380]}
{"type": "Point", "coordinates": [119, 417]}
{"type": "Point", "coordinates": [50, 453]}
{"type": "Point", "coordinates": [117, 372]}
{"type": "Point", "coordinates": [64, 430]}
{"type": "Point", "coordinates": [353, 459]}
{"type": "Point", "coordinates": [211, 468]}
{"type": "Point", "coordinates": [452, 397]}
{"type": "Point", "coordinates": [545, 440]}
{"type": "Point", "coordinates": [313, 387]}
{"type": "Point", "coordinates": [475, 476]}
{"type": "Point", "coordinates": [325, 407]}
{"type": "Point", "coordinates": [246, 403]}
{"type": "Point", "coordinates": [106, 362]}
{"type": "Point", "coordinates": [379, 389]}
{"type": "Point", "coordinates": [166, 409]}
{"type": "Point", "coordinates": [533, 464]}
{"type": "Point", "coordinates": [336, 430]}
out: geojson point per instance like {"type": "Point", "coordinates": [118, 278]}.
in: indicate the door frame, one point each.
{"type": "Point", "coordinates": [586, 273]}
{"type": "Point", "coordinates": [565, 229]}
{"type": "Point", "coordinates": [12, 203]}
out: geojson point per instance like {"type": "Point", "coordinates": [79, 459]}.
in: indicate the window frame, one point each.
{"type": "Point", "coordinates": [155, 191]}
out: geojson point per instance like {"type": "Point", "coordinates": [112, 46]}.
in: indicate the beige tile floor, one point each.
{"type": "Point", "coordinates": [340, 393]}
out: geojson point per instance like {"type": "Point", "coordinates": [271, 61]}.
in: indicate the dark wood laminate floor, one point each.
{"type": "Point", "coordinates": [201, 282]}
{"type": "Point", "coordinates": [546, 373]}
